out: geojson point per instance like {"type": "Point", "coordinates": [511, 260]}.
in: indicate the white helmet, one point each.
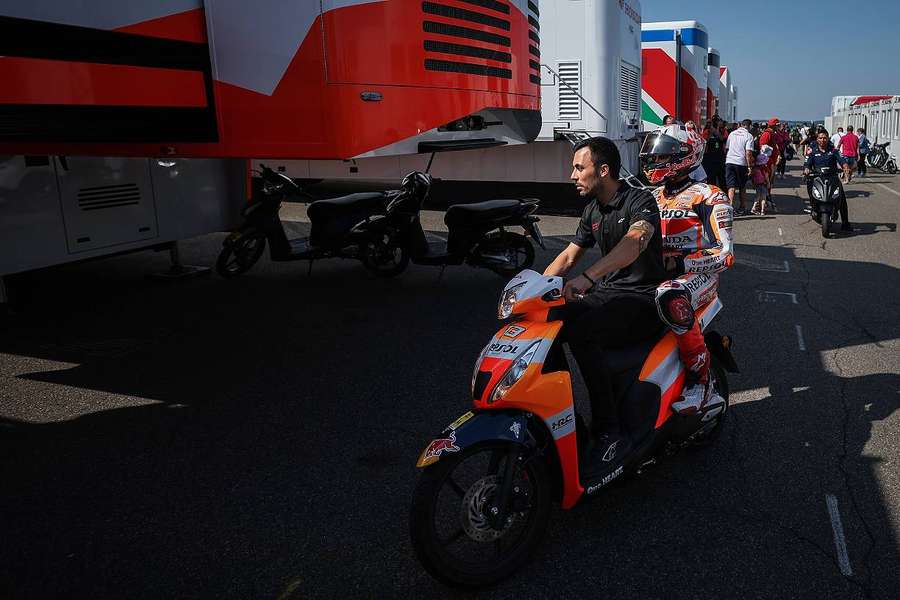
{"type": "Point", "coordinates": [671, 151]}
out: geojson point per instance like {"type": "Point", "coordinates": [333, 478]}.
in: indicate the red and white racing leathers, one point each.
{"type": "Point", "coordinates": [697, 246]}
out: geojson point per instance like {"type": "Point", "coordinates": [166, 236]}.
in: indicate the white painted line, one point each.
{"type": "Point", "coordinates": [780, 269]}
{"type": "Point", "coordinates": [767, 296]}
{"type": "Point", "coordinates": [840, 543]}
{"type": "Point", "coordinates": [800, 341]}
{"type": "Point", "coordinates": [895, 192]}
{"type": "Point", "coordinates": [780, 232]}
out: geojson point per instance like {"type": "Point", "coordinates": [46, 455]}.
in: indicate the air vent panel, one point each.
{"type": "Point", "coordinates": [569, 86]}
{"type": "Point", "coordinates": [108, 196]}
{"type": "Point", "coordinates": [629, 87]}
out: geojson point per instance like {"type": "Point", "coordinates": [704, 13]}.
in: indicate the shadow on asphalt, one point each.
{"type": "Point", "coordinates": [276, 419]}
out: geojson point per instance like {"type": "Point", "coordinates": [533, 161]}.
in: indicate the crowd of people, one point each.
{"type": "Point", "coordinates": [738, 154]}
{"type": "Point", "coordinates": [749, 154]}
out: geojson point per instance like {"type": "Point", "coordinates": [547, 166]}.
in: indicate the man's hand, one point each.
{"type": "Point", "coordinates": [575, 288]}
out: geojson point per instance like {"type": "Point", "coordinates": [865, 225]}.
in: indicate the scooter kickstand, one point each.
{"type": "Point", "coordinates": [309, 269]}
{"type": "Point", "coordinates": [441, 274]}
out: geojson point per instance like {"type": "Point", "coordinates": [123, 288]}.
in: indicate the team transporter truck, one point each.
{"type": "Point", "coordinates": [127, 125]}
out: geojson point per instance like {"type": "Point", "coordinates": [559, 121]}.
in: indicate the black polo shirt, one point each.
{"type": "Point", "coordinates": [605, 226]}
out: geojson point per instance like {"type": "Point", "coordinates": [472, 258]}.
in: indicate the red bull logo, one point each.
{"type": "Point", "coordinates": [437, 447]}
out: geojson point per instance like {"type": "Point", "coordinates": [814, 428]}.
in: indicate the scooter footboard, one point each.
{"type": "Point", "coordinates": [474, 428]}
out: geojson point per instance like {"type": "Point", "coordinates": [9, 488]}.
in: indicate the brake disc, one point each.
{"type": "Point", "coordinates": [477, 499]}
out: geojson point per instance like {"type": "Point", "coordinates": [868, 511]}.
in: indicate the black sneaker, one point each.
{"type": "Point", "coordinates": [846, 227]}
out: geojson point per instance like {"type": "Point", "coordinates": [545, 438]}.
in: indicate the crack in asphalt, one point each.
{"type": "Point", "coordinates": [866, 335]}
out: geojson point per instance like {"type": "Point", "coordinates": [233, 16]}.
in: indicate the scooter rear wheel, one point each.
{"type": "Point", "coordinates": [238, 257]}
{"type": "Point", "coordinates": [449, 522]}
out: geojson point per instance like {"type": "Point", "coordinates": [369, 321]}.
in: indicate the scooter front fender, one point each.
{"type": "Point", "coordinates": [474, 428]}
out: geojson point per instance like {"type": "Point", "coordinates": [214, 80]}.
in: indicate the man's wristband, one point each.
{"type": "Point", "coordinates": [586, 276]}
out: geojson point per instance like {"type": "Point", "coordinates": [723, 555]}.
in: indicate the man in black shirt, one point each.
{"type": "Point", "coordinates": [624, 223]}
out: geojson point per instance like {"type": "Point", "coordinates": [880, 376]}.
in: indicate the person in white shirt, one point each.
{"type": "Point", "coordinates": [739, 163]}
{"type": "Point", "coordinates": [836, 138]}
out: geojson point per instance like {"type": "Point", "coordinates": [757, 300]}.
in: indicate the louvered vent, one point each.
{"type": "Point", "coordinates": [569, 90]}
{"type": "Point", "coordinates": [108, 196]}
{"type": "Point", "coordinates": [630, 87]}
{"type": "Point", "coordinates": [534, 48]}
{"type": "Point", "coordinates": [489, 24]}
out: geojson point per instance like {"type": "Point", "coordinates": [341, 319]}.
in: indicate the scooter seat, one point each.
{"type": "Point", "coordinates": [370, 202]}
{"type": "Point", "coordinates": [632, 356]}
{"type": "Point", "coordinates": [479, 212]}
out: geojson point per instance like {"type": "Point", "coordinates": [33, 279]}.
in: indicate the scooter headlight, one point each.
{"type": "Point", "coordinates": [816, 194]}
{"type": "Point", "coordinates": [836, 194]}
{"type": "Point", "coordinates": [507, 300]}
{"type": "Point", "coordinates": [514, 373]}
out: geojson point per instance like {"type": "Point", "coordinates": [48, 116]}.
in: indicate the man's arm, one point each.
{"type": "Point", "coordinates": [564, 262]}
{"type": "Point", "coordinates": [623, 254]}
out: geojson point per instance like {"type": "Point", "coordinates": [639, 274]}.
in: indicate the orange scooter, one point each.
{"type": "Point", "coordinates": [482, 503]}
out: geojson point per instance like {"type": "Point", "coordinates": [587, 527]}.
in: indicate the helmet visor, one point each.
{"type": "Point", "coordinates": [660, 149]}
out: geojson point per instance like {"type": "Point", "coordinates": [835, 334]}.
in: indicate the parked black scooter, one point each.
{"type": "Point", "coordinates": [477, 233]}
{"type": "Point", "coordinates": [339, 227]}
{"type": "Point", "coordinates": [825, 196]}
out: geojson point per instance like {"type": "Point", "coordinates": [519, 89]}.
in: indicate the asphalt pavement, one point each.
{"type": "Point", "coordinates": [256, 438]}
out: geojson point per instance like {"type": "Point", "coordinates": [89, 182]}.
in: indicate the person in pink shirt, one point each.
{"type": "Point", "coordinates": [849, 149]}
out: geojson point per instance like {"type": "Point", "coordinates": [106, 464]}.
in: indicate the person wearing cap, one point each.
{"type": "Point", "coordinates": [769, 137]}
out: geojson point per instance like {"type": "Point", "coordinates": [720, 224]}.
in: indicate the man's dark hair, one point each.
{"type": "Point", "coordinates": [603, 152]}
{"type": "Point", "coordinates": [747, 123]}
{"type": "Point", "coordinates": [849, 128]}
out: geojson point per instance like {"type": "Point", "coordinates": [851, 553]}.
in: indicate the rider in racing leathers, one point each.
{"type": "Point", "coordinates": [695, 220]}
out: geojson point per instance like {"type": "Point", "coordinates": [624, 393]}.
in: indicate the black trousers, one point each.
{"type": "Point", "coordinates": [861, 164]}
{"type": "Point", "coordinates": [606, 318]}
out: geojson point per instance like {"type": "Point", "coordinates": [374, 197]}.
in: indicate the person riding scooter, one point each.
{"type": "Point", "coordinates": [624, 223]}
{"type": "Point", "coordinates": [695, 223]}
{"type": "Point", "coordinates": [823, 155]}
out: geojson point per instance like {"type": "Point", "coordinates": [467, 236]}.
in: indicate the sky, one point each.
{"type": "Point", "coordinates": [789, 57]}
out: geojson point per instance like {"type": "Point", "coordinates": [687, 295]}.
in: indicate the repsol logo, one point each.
{"type": "Point", "coordinates": [503, 348]}
{"type": "Point", "coordinates": [695, 284]}
{"type": "Point", "coordinates": [677, 213]}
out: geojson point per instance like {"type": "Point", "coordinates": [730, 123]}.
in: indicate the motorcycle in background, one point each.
{"type": "Point", "coordinates": [338, 227]}
{"type": "Point", "coordinates": [477, 233]}
{"type": "Point", "coordinates": [879, 158]}
{"type": "Point", "coordinates": [825, 195]}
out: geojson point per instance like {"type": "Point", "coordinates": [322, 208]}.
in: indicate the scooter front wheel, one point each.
{"type": "Point", "coordinates": [825, 221]}
{"type": "Point", "coordinates": [452, 531]}
{"type": "Point", "coordinates": [240, 255]}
